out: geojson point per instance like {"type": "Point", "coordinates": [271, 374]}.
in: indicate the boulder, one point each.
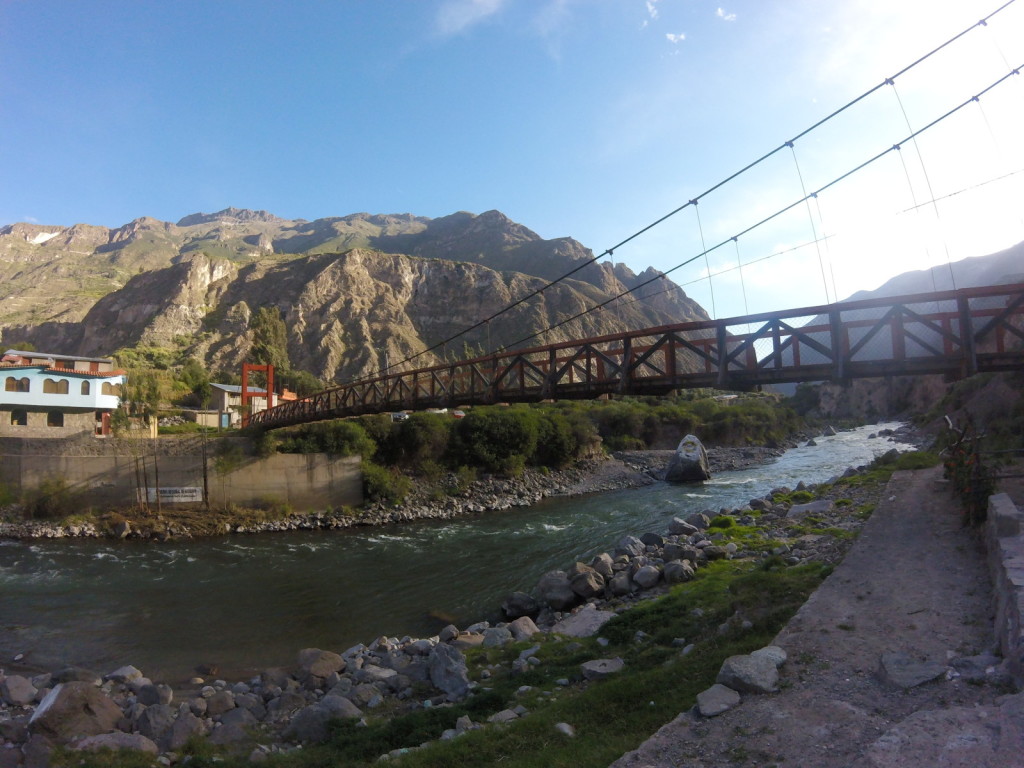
{"type": "Point", "coordinates": [603, 564]}
{"type": "Point", "coordinates": [316, 663]}
{"type": "Point", "coordinates": [584, 623]}
{"type": "Point", "coordinates": [155, 722]}
{"type": "Point", "coordinates": [186, 725]}
{"type": "Point", "coordinates": [310, 724]}
{"type": "Point", "coordinates": [621, 584]}
{"type": "Point", "coordinates": [699, 520]}
{"type": "Point", "coordinates": [679, 527]}
{"type": "Point", "coordinates": [520, 604]}
{"type": "Point", "coordinates": [240, 717]}
{"type": "Point", "coordinates": [647, 576]}
{"type": "Point", "coordinates": [652, 539]}
{"type": "Point", "coordinates": [279, 710]}
{"type": "Point", "coordinates": [155, 694]}
{"type": "Point", "coordinates": [678, 571]}
{"type": "Point", "coordinates": [689, 464]}
{"type": "Point", "coordinates": [72, 710]}
{"type": "Point", "coordinates": [777, 655]}
{"type": "Point", "coordinates": [630, 546]}
{"type": "Point", "coordinates": [116, 740]}
{"type": "Point", "coordinates": [448, 671]}
{"type": "Point", "coordinates": [219, 703]}
{"type": "Point", "coordinates": [587, 582]}
{"type": "Point", "coordinates": [822, 507]}
{"type": "Point", "coordinates": [555, 590]}
{"type": "Point", "coordinates": [495, 637]}
{"type": "Point", "coordinates": [716, 700]}
{"type": "Point", "coordinates": [523, 628]}
{"type": "Point", "coordinates": [126, 674]}
{"type": "Point", "coordinates": [749, 674]}
{"type": "Point", "coordinates": [900, 670]}
{"type": "Point", "coordinates": [17, 691]}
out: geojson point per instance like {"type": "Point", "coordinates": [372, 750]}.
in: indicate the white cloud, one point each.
{"type": "Point", "coordinates": [675, 38]}
{"type": "Point", "coordinates": [652, 8]}
{"type": "Point", "coordinates": [720, 13]}
{"type": "Point", "coordinates": [455, 16]}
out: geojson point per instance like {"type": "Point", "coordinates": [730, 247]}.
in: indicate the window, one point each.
{"type": "Point", "coordinates": [19, 418]}
{"type": "Point", "coordinates": [85, 387]}
{"type": "Point", "coordinates": [55, 386]}
{"type": "Point", "coordinates": [110, 389]}
{"type": "Point", "coordinates": [55, 419]}
{"type": "Point", "coordinates": [16, 385]}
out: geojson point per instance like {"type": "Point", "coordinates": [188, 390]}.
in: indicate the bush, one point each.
{"type": "Point", "coordinates": [52, 500]}
{"type": "Point", "coordinates": [339, 438]}
{"type": "Point", "coordinates": [498, 439]}
{"type": "Point", "coordinates": [383, 484]}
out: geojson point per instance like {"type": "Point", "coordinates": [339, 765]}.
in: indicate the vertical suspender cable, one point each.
{"type": "Point", "coordinates": [927, 180]}
{"type": "Point", "coordinates": [707, 264]}
{"type": "Point", "coordinates": [810, 216]}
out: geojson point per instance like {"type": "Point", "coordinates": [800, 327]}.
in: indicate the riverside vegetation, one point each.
{"type": "Point", "coordinates": [520, 452]}
{"type": "Point", "coordinates": [525, 699]}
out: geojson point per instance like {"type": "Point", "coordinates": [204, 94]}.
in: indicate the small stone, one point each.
{"type": "Point", "coordinates": [749, 674]}
{"type": "Point", "coordinates": [566, 730]}
{"type": "Point", "coordinates": [716, 700]}
{"type": "Point", "coordinates": [902, 671]}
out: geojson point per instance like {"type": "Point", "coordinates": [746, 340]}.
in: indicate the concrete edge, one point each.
{"type": "Point", "coordinates": [1004, 544]}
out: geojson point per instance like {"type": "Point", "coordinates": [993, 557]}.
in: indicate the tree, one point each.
{"type": "Point", "coordinates": [195, 376]}
{"type": "Point", "coordinates": [270, 339]}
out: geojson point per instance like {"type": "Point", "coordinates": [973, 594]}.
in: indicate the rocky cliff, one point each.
{"type": "Point", "coordinates": [354, 291]}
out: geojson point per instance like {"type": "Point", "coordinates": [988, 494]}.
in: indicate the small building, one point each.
{"type": "Point", "coordinates": [49, 395]}
{"type": "Point", "coordinates": [226, 404]}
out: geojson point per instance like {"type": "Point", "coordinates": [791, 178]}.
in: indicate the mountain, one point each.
{"type": "Point", "coordinates": [353, 291]}
{"type": "Point", "coordinates": [994, 269]}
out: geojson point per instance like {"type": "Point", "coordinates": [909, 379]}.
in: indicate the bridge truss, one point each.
{"type": "Point", "coordinates": [954, 333]}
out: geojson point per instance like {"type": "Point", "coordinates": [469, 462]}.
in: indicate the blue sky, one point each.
{"type": "Point", "coordinates": [580, 118]}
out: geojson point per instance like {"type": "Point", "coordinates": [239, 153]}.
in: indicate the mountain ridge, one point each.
{"type": "Point", "coordinates": [353, 290]}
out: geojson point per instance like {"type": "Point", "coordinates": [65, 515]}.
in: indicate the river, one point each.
{"type": "Point", "coordinates": [243, 603]}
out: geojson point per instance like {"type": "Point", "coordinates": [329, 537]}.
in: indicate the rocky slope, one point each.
{"type": "Point", "coordinates": [353, 291]}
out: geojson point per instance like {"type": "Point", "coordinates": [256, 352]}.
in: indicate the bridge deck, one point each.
{"type": "Point", "coordinates": [954, 333]}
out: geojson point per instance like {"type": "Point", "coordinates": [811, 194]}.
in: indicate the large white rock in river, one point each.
{"type": "Point", "coordinates": [690, 462]}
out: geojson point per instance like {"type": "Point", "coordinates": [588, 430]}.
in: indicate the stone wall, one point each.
{"type": "Point", "coordinates": [75, 423]}
{"type": "Point", "coordinates": [1004, 540]}
{"type": "Point", "coordinates": [306, 482]}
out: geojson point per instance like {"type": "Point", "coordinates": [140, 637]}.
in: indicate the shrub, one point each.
{"type": "Point", "coordinates": [722, 521]}
{"type": "Point", "coordinates": [52, 500]}
{"type": "Point", "coordinates": [340, 438]}
{"type": "Point", "coordinates": [498, 439]}
{"type": "Point", "coordinates": [383, 484]}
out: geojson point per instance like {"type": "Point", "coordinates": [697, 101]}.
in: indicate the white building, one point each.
{"type": "Point", "coordinates": [48, 395]}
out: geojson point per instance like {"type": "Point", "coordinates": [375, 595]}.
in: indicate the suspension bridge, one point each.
{"type": "Point", "coordinates": [953, 333]}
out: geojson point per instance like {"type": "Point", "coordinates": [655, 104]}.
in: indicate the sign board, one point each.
{"type": "Point", "coordinates": [171, 495]}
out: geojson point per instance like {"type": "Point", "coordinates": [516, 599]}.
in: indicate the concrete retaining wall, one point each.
{"type": "Point", "coordinates": [306, 482]}
{"type": "Point", "coordinates": [1004, 540]}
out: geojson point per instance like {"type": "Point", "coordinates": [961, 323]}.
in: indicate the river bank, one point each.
{"type": "Point", "coordinates": [429, 500]}
{"type": "Point", "coordinates": [392, 674]}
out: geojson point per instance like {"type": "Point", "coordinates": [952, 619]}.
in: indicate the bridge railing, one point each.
{"type": "Point", "coordinates": [956, 333]}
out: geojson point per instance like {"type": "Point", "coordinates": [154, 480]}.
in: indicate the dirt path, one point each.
{"type": "Point", "coordinates": [915, 582]}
